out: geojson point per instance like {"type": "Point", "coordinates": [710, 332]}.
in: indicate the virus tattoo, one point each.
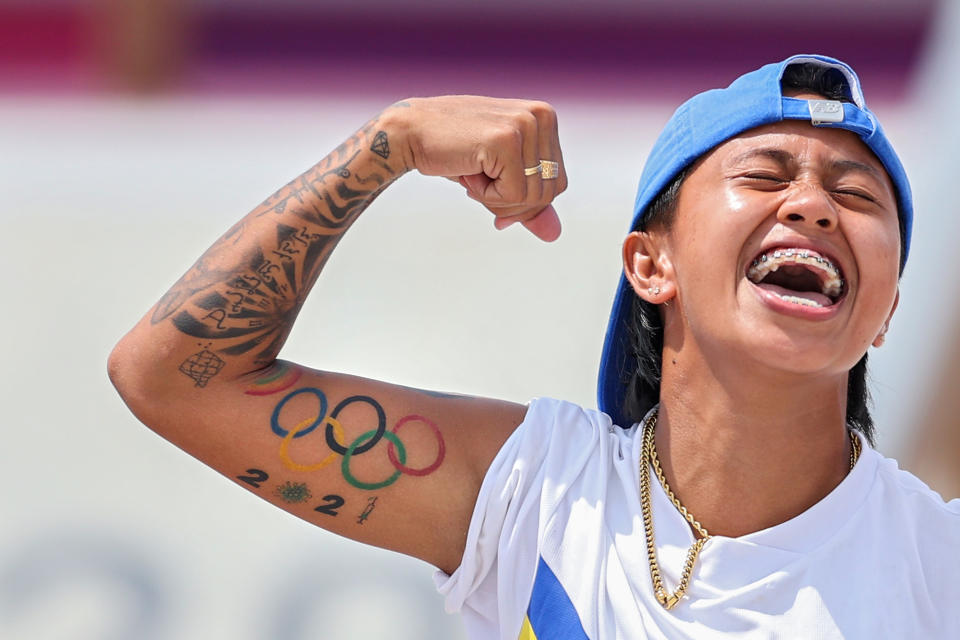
{"type": "Point", "coordinates": [293, 492]}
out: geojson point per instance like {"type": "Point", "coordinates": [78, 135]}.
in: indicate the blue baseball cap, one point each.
{"type": "Point", "coordinates": [700, 124]}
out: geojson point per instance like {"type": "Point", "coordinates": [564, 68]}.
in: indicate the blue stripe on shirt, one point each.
{"type": "Point", "coordinates": [551, 614]}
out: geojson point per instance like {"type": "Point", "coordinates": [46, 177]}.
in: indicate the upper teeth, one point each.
{"type": "Point", "coordinates": [831, 278]}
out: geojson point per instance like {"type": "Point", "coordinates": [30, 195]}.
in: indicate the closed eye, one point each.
{"type": "Point", "coordinates": [765, 177]}
{"type": "Point", "coordinates": [856, 194]}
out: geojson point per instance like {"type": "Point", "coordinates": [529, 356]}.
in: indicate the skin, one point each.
{"type": "Point", "coordinates": [753, 399]}
{"type": "Point", "coordinates": [387, 465]}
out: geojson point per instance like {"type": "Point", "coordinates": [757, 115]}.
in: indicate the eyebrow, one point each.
{"type": "Point", "coordinates": [785, 158]}
{"type": "Point", "coordinates": [777, 155]}
{"type": "Point", "coordinates": [845, 166]}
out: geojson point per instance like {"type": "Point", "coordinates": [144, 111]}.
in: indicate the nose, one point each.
{"type": "Point", "coordinates": [809, 204]}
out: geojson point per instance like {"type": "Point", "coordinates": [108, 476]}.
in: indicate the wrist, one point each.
{"type": "Point", "coordinates": [395, 121]}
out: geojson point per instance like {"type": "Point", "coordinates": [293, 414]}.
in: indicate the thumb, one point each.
{"type": "Point", "coordinates": [475, 183]}
{"type": "Point", "coordinates": [545, 225]}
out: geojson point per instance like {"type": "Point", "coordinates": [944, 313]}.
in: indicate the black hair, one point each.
{"type": "Point", "coordinates": [645, 325]}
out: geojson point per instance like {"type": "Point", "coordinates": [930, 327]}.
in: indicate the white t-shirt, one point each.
{"type": "Point", "coordinates": [556, 551]}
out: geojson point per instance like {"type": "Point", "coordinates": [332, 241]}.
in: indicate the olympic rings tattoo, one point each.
{"type": "Point", "coordinates": [441, 449]}
{"type": "Point", "coordinates": [378, 433]}
{"type": "Point", "coordinates": [354, 447]}
{"type": "Point", "coordinates": [334, 435]}
{"type": "Point", "coordinates": [275, 418]}
{"type": "Point", "coordinates": [285, 446]}
{"type": "Point", "coordinates": [284, 377]}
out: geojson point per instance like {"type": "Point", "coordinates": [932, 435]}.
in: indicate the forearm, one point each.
{"type": "Point", "coordinates": [232, 311]}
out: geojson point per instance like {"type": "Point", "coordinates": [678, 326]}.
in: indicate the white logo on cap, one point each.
{"type": "Point", "coordinates": [822, 111]}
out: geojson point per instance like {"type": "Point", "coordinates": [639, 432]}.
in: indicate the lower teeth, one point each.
{"type": "Point", "coordinates": [803, 301]}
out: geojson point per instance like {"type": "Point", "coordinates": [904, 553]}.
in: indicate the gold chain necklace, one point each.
{"type": "Point", "coordinates": [648, 458]}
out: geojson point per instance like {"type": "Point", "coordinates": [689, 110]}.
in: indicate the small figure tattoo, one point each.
{"type": "Point", "coordinates": [371, 503]}
{"type": "Point", "coordinates": [293, 492]}
{"type": "Point", "coordinates": [380, 145]}
{"type": "Point", "coordinates": [200, 367]}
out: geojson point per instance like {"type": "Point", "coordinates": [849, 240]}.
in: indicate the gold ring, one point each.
{"type": "Point", "coordinates": [549, 169]}
{"type": "Point", "coordinates": [532, 171]}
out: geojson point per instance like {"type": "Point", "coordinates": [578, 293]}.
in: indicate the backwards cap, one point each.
{"type": "Point", "coordinates": [700, 124]}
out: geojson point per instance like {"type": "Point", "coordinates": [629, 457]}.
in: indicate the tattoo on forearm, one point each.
{"type": "Point", "coordinates": [244, 293]}
{"type": "Point", "coordinates": [380, 145]}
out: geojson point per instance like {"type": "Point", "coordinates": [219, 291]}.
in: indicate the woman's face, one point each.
{"type": "Point", "coordinates": [785, 248]}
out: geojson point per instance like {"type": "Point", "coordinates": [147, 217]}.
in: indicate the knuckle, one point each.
{"type": "Point", "coordinates": [507, 135]}
{"type": "Point", "coordinates": [512, 192]}
{"type": "Point", "coordinates": [519, 192]}
{"type": "Point", "coordinates": [543, 111]}
{"type": "Point", "coordinates": [528, 121]}
{"type": "Point", "coordinates": [523, 123]}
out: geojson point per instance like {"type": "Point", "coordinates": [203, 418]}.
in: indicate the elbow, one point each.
{"type": "Point", "coordinates": [121, 371]}
{"type": "Point", "coordinates": [131, 379]}
{"type": "Point", "coordinates": [117, 367]}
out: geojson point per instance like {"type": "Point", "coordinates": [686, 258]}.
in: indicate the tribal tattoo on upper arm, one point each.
{"type": "Point", "coordinates": [243, 294]}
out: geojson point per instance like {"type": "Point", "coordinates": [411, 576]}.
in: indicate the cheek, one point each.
{"type": "Point", "coordinates": [877, 249]}
{"type": "Point", "coordinates": [736, 202]}
{"type": "Point", "coordinates": [878, 261]}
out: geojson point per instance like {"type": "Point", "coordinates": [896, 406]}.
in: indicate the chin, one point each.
{"type": "Point", "coordinates": [792, 354]}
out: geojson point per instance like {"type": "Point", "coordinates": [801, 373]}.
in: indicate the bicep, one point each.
{"type": "Point", "coordinates": [383, 464]}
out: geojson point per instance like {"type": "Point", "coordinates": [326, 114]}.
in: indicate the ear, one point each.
{"type": "Point", "coordinates": [882, 336]}
{"type": "Point", "coordinates": [647, 268]}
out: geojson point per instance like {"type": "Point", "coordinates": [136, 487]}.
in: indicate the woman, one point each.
{"type": "Point", "coordinates": [741, 498]}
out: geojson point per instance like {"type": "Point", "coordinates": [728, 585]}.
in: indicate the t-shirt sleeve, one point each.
{"type": "Point", "coordinates": [525, 482]}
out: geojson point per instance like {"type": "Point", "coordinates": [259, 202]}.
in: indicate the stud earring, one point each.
{"type": "Point", "coordinates": [654, 291]}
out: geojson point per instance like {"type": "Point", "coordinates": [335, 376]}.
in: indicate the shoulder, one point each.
{"type": "Point", "coordinates": [906, 498]}
{"type": "Point", "coordinates": [562, 453]}
{"type": "Point", "coordinates": [913, 489]}
{"type": "Point", "coordinates": [555, 429]}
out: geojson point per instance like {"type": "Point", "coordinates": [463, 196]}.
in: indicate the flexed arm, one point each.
{"type": "Point", "coordinates": [200, 368]}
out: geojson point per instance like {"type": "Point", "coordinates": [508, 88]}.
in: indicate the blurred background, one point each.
{"type": "Point", "coordinates": [133, 132]}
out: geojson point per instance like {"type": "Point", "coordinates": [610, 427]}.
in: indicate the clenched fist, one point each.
{"type": "Point", "coordinates": [486, 144]}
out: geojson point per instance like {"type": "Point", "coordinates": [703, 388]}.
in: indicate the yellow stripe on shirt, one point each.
{"type": "Point", "coordinates": [526, 631]}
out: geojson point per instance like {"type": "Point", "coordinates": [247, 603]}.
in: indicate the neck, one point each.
{"type": "Point", "coordinates": [744, 451]}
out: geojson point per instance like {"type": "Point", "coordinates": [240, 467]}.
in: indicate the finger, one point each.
{"type": "Point", "coordinates": [531, 159]}
{"type": "Point", "coordinates": [545, 225]}
{"type": "Point", "coordinates": [513, 148]}
{"type": "Point", "coordinates": [549, 140]}
{"type": "Point", "coordinates": [476, 185]}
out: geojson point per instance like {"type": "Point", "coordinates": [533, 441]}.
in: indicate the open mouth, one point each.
{"type": "Point", "coordinates": [798, 276]}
